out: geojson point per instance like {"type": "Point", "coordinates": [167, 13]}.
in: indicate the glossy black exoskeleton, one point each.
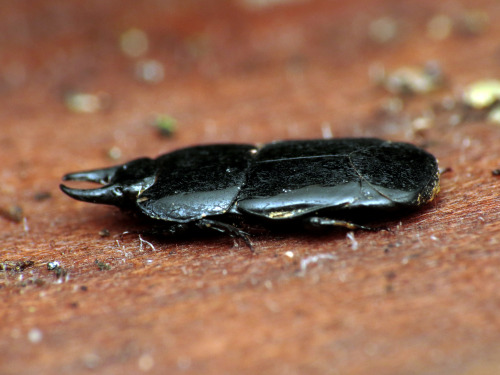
{"type": "Point", "coordinates": [317, 182]}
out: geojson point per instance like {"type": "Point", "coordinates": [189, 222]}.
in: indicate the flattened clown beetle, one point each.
{"type": "Point", "coordinates": [314, 182]}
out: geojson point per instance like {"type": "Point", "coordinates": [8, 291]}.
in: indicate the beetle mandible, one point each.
{"type": "Point", "coordinates": [316, 182]}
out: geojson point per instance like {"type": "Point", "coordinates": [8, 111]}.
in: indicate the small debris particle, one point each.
{"type": "Point", "coordinates": [474, 22]}
{"type": "Point", "coordinates": [393, 105]}
{"type": "Point", "coordinates": [146, 362]}
{"type": "Point", "coordinates": [42, 196]}
{"type": "Point", "coordinates": [80, 102]}
{"type": "Point", "coordinates": [91, 360]}
{"type": "Point", "coordinates": [104, 233]}
{"type": "Point", "coordinates": [35, 335]}
{"type": "Point", "coordinates": [149, 71]}
{"type": "Point", "coordinates": [421, 124]}
{"type": "Point", "coordinates": [414, 80]}
{"type": "Point", "coordinates": [354, 243]}
{"type": "Point", "coordinates": [13, 213]}
{"type": "Point", "coordinates": [494, 115]}
{"type": "Point", "coordinates": [289, 254]}
{"type": "Point", "coordinates": [53, 265]}
{"type": "Point", "coordinates": [383, 30]}
{"type": "Point", "coordinates": [495, 172]}
{"type": "Point", "coordinates": [26, 227]}
{"type": "Point", "coordinates": [326, 130]}
{"type": "Point", "coordinates": [142, 242]}
{"type": "Point", "coordinates": [304, 263]}
{"type": "Point", "coordinates": [114, 153]}
{"type": "Point", "coordinates": [17, 266]}
{"type": "Point", "coordinates": [440, 27]}
{"type": "Point", "coordinates": [58, 270]}
{"type": "Point", "coordinates": [134, 42]}
{"type": "Point", "coordinates": [102, 265]}
{"type": "Point", "coordinates": [165, 124]}
{"type": "Point", "coordinates": [84, 288]}
{"type": "Point", "coordinates": [482, 94]}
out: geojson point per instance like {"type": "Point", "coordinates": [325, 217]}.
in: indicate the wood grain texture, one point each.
{"type": "Point", "coordinates": [422, 299]}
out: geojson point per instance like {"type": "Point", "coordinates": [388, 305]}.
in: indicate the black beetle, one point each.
{"type": "Point", "coordinates": [317, 182]}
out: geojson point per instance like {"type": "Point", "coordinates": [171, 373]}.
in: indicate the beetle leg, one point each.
{"type": "Point", "coordinates": [319, 222]}
{"type": "Point", "coordinates": [176, 228]}
{"type": "Point", "coordinates": [225, 228]}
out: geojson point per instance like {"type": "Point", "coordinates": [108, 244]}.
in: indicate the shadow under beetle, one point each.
{"type": "Point", "coordinates": [316, 182]}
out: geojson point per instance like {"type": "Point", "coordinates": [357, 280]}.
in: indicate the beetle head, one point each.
{"type": "Point", "coordinates": [122, 184]}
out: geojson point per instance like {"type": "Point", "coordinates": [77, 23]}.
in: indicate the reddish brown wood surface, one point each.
{"type": "Point", "coordinates": [422, 299]}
